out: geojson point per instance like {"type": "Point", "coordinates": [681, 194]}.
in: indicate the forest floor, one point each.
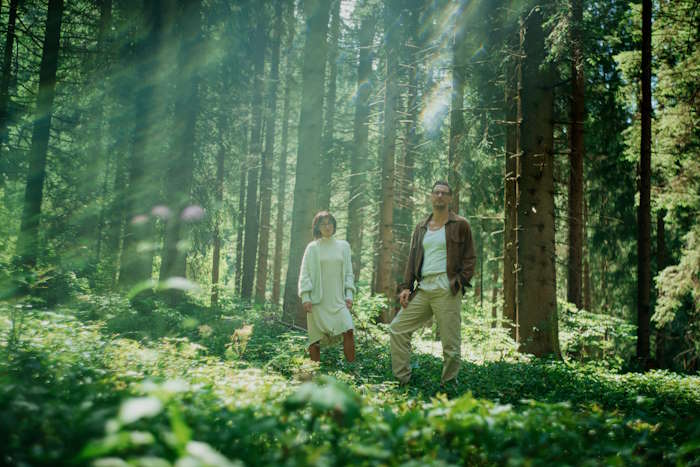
{"type": "Point", "coordinates": [104, 384]}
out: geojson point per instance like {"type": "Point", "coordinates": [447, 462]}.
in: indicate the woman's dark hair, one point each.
{"type": "Point", "coordinates": [321, 215]}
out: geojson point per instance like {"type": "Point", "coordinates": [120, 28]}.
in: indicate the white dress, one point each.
{"type": "Point", "coordinates": [330, 318]}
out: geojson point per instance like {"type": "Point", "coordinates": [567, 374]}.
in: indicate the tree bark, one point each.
{"type": "Point", "coordinates": [103, 50]}
{"type": "Point", "coordinates": [386, 283]}
{"type": "Point", "coordinates": [360, 151]}
{"type": "Point", "coordinates": [536, 291]}
{"type": "Point", "coordinates": [28, 241]}
{"type": "Point", "coordinates": [328, 153]}
{"type": "Point", "coordinates": [457, 129]}
{"type": "Point", "coordinates": [181, 169]}
{"type": "Point", "coordinates": [644, 210]}
{"type": "Point", "coordinates": [219, 198]}
{"type": "Point", "coordinates": [5, 84]}
{"type": "Point", "coordinates": [268, 155]}
{"type": "Point", "coordinates": [282, 168]}
{"type": "Point", "coordinates": [587, 292]}
{"type": "Point", "coordinates": [316, 13]}
{"type": "Point", "coordinates": [254, 159]}
{"type": "Point", "coordinates": [240, 215]}
{"type": "Point", "coordinates": [512, 177]}
{"type": "Point", "coordinates": [405, 179]}
{"type": "Point", "coordinates": [661, 265]}
{"type": "Point", "coordinates": [576, 157]}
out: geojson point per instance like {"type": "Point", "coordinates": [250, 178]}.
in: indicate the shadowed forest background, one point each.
{"type": "Point", "coordinates": [160, 165]}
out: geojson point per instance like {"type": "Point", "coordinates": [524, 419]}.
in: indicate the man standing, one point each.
{"type": "Point", "coordinates": [441, 261]}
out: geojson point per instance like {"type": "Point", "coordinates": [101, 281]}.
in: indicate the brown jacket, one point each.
{"type": "Point", "coordinates": [460, 254]}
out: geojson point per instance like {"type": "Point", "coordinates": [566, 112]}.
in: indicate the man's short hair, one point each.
{"type": "Point", "coordinates": [441, 182]}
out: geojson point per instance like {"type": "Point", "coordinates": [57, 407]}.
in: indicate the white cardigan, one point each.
{"type": "Point", "coordinates": [310, 273]}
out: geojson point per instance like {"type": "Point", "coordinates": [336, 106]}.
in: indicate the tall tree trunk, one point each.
{"type": "Point", "coordinates": [28, 241]}
{"type": "Point", "coordinates": [268, 156]}
{"type": "Point", "coordinates": [181, 169]}
{"type": "Point", "coordinates": [103, 51]}
{"type": "Point", "coordinates": [239, 218]}
{"type": "Point", "coordinates": [405, 179]}
{"type": "Point", "coordinates": [220, 158]}
{"type": "Point", "coordinates": [136, 265]}
{"type": "Point", "coordinates": [316, 13]}
{"type": "Point", "coordinates": [661, 265]}
{"type": "Point", "coordinates": [644, 211]}
{"type": "Point", "coordinates": [328, 151]}
{"type": "Point", "coordinates": [360, 147]}
{"type": "Point", "coordinates": [587, 292]}
{"type": "Point", "coordinates": [457, 128]}
{"type": "Point", "coordinates": [536, 291]}
{"type": "Point", "coordinates": [495, 272]}
{"type": "Point", "coordinates": [512, 177]}
{"type": "Point", "coordinates": [386, 283]}
{"type": "Point", "coordinates": [576, 156]}
{"type": "Point", "coordinates": [282, 168]}
{"type": "Point", "coordinates": [254, 158]}
{"type": "Point", "coordinates": [5, 84]}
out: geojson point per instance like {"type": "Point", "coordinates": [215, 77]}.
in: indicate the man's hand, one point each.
{"type": "Point", "coordinates": [307, 307]}
{"type": "Point", "coordinates": [348, 302]}
{"type": "Point", "coordinates": [403, 297]}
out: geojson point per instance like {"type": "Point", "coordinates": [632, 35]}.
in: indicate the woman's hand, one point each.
{"type": "Point", "coordinates": [307, 307]}
{"type": "Point", "coordinates": [348, 302]}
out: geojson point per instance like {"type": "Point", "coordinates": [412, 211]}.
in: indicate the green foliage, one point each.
{"type": "Point", "coordinates": [584, 335]}
{"type": "Point", "coordinates": [236, 389]}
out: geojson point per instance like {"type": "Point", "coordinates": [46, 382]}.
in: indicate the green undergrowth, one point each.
{"type": "Point", "coordinates": [100, 383]}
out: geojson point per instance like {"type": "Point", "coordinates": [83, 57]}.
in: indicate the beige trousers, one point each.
{"type": "Point", "coordinates": [446, 308]}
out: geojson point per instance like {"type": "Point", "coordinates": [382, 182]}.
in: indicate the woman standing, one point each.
{"type": "Point", "coordinates": [326, 288]}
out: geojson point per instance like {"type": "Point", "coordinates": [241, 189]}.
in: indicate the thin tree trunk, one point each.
{"type": "Point", "coordinates": [536, 288]}
{"type": "Point", "coordinates": [644, 210]}
{"type": "Point", "coordinates": [268, 156]}
{"type": "Point", "coordinates": [512, 177]}
{"type": "Point", "coordinates": [28, 242]}
{"type": "Point", "coordinates": [457, 129]}
{"type": "Point", "coordinates": [216, 254]}
{"type": "Point", "coordinates": [102, 49]}
{"type": "Point", "coordinates": [360, 151]}
{"type": "Point", "coordinates": [587, 292]}
{"type": "Point", "coordinates": [240, 215]}
{"type": "Point", "coordinates": [181, 169]}
{"type": "Point", "coordinates": [328, 153]}
{"type": "Point", "coordinates": [405, 180]}
{"type": "Point", "coordinates": [282, 168]}
{"type": "Point", "coordinates": [576, 156]}
{"type": "Point", "coordinates": [254, 159]}
{"type": "Point", "coordinates": [385, 279]}
{"type": "Point", "coordinates": [316, 13]}
{"type": "Point", "coordinates": [5, 84]}
{"type": "Point", "coordinates": [495, 272]}
{"type": "Point", "coordinates": [661, 265]}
